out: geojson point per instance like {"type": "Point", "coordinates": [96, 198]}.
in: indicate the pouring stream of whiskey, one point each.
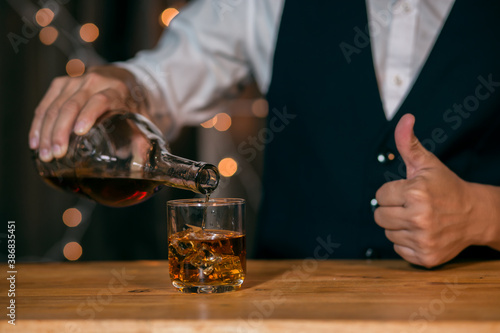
{"type": "Point", "coordinates": [207, 199]}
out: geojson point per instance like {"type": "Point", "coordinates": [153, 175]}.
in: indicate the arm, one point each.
{"type": "Point", "coordinates": [209, 50]}
{"type": "Point", "coordinates": [199, 61]}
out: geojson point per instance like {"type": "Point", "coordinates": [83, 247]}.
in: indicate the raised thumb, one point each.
{"type": "Point", "coordinates": [415, 156]}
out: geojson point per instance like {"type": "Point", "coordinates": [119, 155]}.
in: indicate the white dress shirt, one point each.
{"type": "Point", "coordinates": [210, 49]}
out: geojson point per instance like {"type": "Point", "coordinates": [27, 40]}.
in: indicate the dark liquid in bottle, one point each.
{"type": "Point", "coordinates": [114, 192]}
{"type": "Point", "coordinates": [64, 183]}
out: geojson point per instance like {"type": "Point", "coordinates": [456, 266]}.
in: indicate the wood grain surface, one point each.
{"type": "Point", "coordinates": [277, 296]}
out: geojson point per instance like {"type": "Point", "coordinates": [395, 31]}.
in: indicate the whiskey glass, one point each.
{"type": "Point", "coordinates": [206, 244]}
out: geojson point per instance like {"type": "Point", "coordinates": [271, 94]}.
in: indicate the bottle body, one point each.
{"type": "Point", "coordinates": [123, 160]}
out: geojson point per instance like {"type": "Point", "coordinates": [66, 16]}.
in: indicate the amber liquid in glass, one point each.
{"type": "Point", "coordinates": [207, 258]}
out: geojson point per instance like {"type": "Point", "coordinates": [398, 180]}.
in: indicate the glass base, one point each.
{"type": "Point", "coordinates": [206, 289]}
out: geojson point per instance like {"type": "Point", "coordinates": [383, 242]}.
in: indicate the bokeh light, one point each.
{"type": "Point", "coordinates": [72, 251]}
{"type": "Point", "coordinates": [228, 167]}
{"type": "Point", "coordinates": [75, 67]}
{"type": "Point", "coordinates": [89, 32]}
{"type": "Point", "coordinates": [209, 123]}
{"type": "Point", "coordinates": [72, 217]}
{"type": "Point", "coordinates": [48, 35]}
{"type": "Point", "coordinates": [44, 17]}
{"type": "Point", "coordinates": [260, 108]}
{"type": "Point", "coordinates": [223, 122]}
{"type": "Point", "coordinates": [167, 15]}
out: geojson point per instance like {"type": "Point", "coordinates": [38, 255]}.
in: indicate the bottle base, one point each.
{"type": "Point", "coordinates": [206, 289]}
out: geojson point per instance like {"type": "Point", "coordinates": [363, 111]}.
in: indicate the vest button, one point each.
{"type": "Point", "coordinates": [398, 81]}
{"type": "Point", "coordinates": [406, 7]}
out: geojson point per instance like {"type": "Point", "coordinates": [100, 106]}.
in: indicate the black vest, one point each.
{"type": "Point", "coordinates": [323, 167]}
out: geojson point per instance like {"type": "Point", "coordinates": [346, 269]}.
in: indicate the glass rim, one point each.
{"type": "Point", "coordinates": [199, 202]}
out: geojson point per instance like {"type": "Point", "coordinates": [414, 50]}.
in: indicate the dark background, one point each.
{"type": "Point", "coordinates": [137, 232]}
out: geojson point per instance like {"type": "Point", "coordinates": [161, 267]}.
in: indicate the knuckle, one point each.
{"type": "Point", "coordinates": [39, 112]}
{"type": "Point", "coordinates": [92, 78]}
{"type": "Point", "coordinates": [419, 182]}
{"type": "Point", "coordinates": [120, 86]}
{"type": "Point", "coordinates": [417, 194]}
{"type": "Point", "coordinates": [70, 107]}
{"type": "Point", "coordinates": [52, 113]}
{"type": "Point", "coordinates": [422, 220]}
{"type": "Point", "coordinates": [426, 244]}
{"type": "Point", "coordinates": [421, 244]}
{"type": "Point", "coordinates": [101, 98]}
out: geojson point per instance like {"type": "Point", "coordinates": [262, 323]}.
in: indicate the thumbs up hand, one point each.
{"type": "Point", "coordinates": [433, 214]}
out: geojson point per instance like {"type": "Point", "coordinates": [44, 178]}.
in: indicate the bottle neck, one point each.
{"type": "Point", "coordinates": [185, 174]}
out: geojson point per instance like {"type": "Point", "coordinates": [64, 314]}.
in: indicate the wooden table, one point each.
{"type": "Point", "coordinates": [277, 296]}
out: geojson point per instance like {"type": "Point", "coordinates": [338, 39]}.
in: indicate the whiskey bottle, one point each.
{"type": "Point", "coordinates": [124, 160]}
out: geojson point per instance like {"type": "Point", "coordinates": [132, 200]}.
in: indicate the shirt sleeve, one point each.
{"type": "Point", "coordinates": [201, 60]}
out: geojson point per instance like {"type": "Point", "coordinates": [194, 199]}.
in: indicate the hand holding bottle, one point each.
{"type": "Point", "coordinates": [123, 160]}
{"type": "Point", "coordinates": [74, 104]}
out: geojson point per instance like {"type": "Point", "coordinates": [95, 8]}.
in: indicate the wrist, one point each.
{"type": "Point", "coordinates": [485, 215]}
{"type": "Point", "coordinates": [136, 100]}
